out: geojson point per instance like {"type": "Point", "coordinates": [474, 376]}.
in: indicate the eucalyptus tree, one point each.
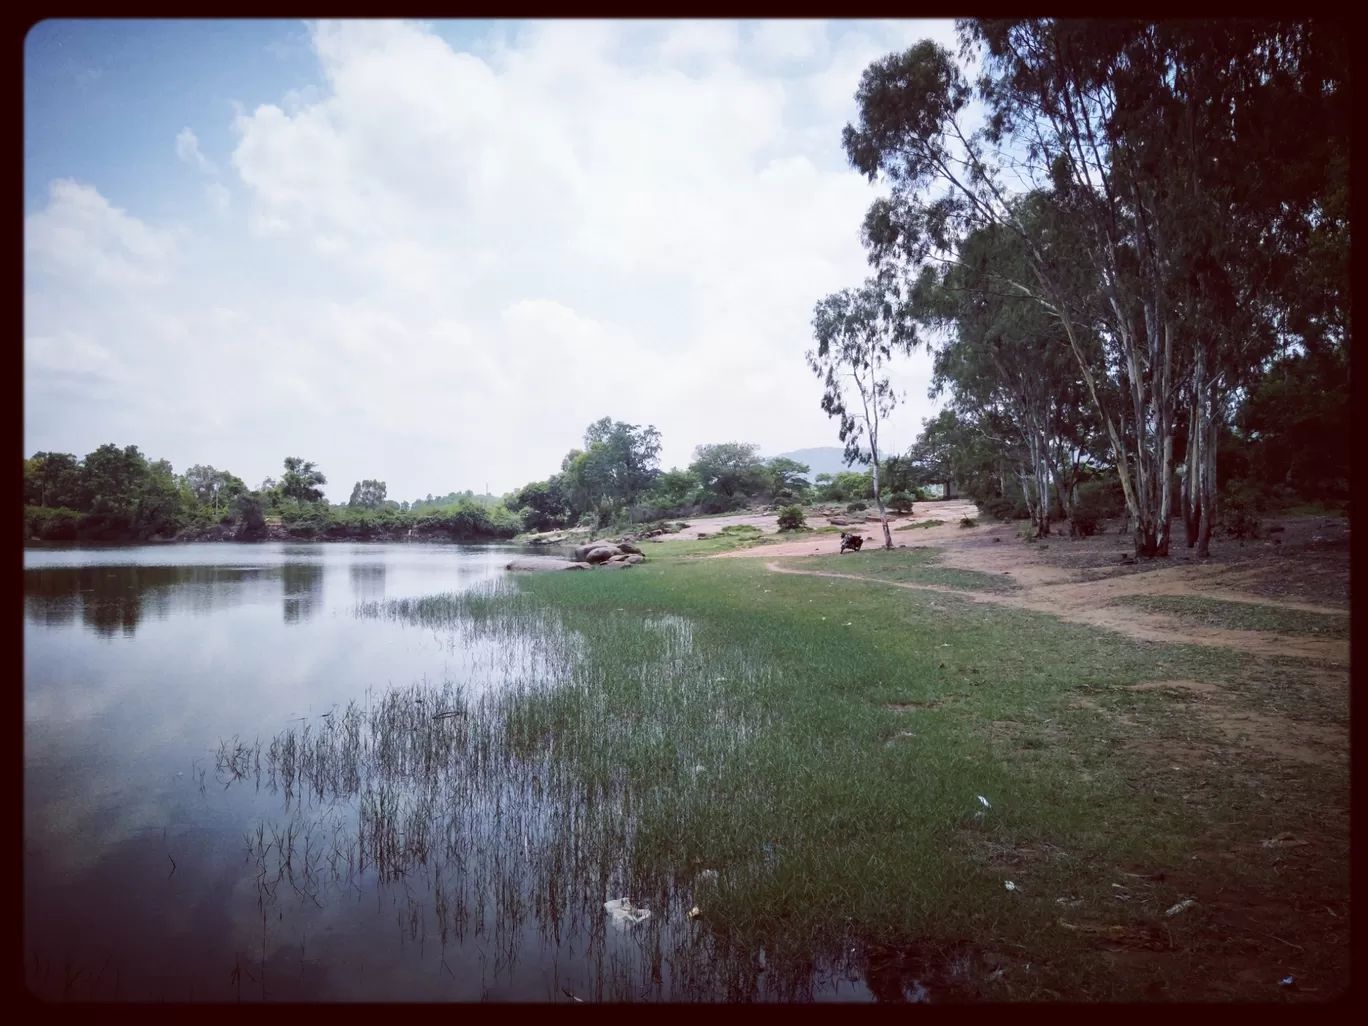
{"type": "Point", "coordinates": [368, 494]}
{"type": "Point", "coordinates": [1144, 142]}
{"type": "Point", "coordinates": [213, 487]}
{"type": "Point", "coordinates": [1007, 356]}
{"type": "Point", "coordinates": [858, 332]}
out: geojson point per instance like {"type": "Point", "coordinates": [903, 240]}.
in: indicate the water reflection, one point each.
{"type": "Point", "coordinates": [113, 601]}
{"type": "Point", "coordinates": [303, 590]}
{"type": "Point", "coordinates": [368, 581]}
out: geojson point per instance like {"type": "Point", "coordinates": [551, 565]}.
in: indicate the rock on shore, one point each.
{"type": "Point", "coordinates": [538, 563]}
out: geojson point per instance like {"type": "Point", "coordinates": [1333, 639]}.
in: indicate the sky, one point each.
{"type": "Point", "coordinates": [434, 253]}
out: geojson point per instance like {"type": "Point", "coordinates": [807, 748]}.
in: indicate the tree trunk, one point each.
{"type": "Point", "coordinates": [878, 498]}
{"type": "Point", "coordinates": [1207, 493]}
{"type": "Point", "coordinates": [1192, 505]}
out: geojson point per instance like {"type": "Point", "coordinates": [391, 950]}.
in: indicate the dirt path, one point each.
{"type": "Point", "coordinates": [866, 524]}
{"type": "Point", "coordinates": [1078, 595]}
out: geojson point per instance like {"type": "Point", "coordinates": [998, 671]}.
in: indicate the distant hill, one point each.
{"type": "Point", "coordinates": [826, 460]}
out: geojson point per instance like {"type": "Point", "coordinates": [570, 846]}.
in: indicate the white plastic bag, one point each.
{"type": "Point", "coordinates": [623, 913]}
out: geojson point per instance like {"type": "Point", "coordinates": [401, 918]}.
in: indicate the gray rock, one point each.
{"type": "Point", "coordinates": [583, 551]}
{"type": "Point", "coordinates": [540, 563]}
{"type": "Point", "coordinates": [602, 554]}
{"type": "Point", "coordinates": [613, 564]}
{"type": "Point", "coordinates": [628, 547]}
{"type": "Point", "coordinates": [634, 558]}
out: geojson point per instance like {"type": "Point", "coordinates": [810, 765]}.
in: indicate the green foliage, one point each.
{"type": "Point", "coordinates": [847, 486]}
{"type": "Point", "coordinates": [900, 502]}
{"type": "Point", "coordinates": [450, 499]}
{"type": "Point", "coordinates": [729, 469]}
{"type": "Point", "coordinates": [1298, 424]}
{"type": "Point", "coordinates": [1099, 499]}
{"type": "Point", "coordinates": [542, 505]}
{"type": "Point", "coordinates": [857, 507]}
{"type": "Point", "coordinates": [247, 507]}
{"type": "Point", "coordinates": [792, 518]}
{"type": "Point", "coordinates": [302, 481]}
{"type": "Point", "coordinates": [674, 488]}
{"type": "Point", "coordinates": [1005, 509]}
{"type": "Point", "coordinates": [367, 495]}
{"type": "Point", "coordinates": [49, 524]}
{"type": "Point", "coordinates": [858, 332]}
{"type": "Point", "coordinates": [1237, 511]}
{"type": "Point", "coordinates": [618, 464]}
{"type": "Point", "coordinates": [52, 479]}
{"type": "Point", "coordinates": [213, 488]}
{"type": "Point", "coordinates": [786, 479]}
{"type": "Point", "coordinates": [117, 495]}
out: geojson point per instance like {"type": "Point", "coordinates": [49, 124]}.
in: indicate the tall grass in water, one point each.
{"type": "Point", "coordinates": [577, 764]}
{"type": "Point", "coordinates": [816, 747]}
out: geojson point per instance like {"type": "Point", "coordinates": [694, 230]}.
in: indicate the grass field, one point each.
{"type": "Point", "coordinates": [1240, 616]}
{"type": "Point", "coordinates": [920, 565]}
{"type": "Point", "coordinates": [868, 768]}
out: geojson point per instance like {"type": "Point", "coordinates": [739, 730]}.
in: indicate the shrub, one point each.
{"type": "Point", "coordinates": [857, 507]}
{"type": "Point", "coordinates": [1098, 500]}
{"type": "Point", "coordinates": [791, 518]}
{"type": "Point", "coordinates": [1003, 508]}
{"type": "Point", "coordinates": [51, 524]}
{"type": "Point", "coordinates": [1085, 522]}
{"type": "Point", "coordinates": [1237, 511]}
{"type": "Point", "coordinates": [900, 502]}
{"type": "Point", "coordinates": [968, 522]}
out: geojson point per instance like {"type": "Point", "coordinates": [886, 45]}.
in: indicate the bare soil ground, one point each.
{"type": "Point", "coordinates": [768, 523]}
{"type": "Point", "coordinates": [1304, 566]}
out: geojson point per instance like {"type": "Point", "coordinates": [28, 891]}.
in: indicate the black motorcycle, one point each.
{"type": "Point", "coordinates": [851, 542]}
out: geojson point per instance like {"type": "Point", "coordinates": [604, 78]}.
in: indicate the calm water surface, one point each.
{"type": "Point", "coordinates": [140, 881]}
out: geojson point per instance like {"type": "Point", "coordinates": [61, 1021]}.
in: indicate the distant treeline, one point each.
{"type": "Point", "coordinates": [616, 480]}
{"type": "Point", "coordinates": [116, 494]}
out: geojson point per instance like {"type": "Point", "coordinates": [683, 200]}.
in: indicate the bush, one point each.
{"type": "Point", "coordinates": [968, 521]}
{"type": "Point", "coordinates": [791, 518]}
{"type": "Point", "coordinates": [51, 524]}
{"type": "Point", "coordinates": [1098, 500]}
{"type": "Point", "coordinates": [1004, 509]}
{"type": "Point", "coordinates": [857, 507]}
{"type": "Point", "coordinates": [900, 502]}
{"type": "Point", "coordinates": [1237, 511]}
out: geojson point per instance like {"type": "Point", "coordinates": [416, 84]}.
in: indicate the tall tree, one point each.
{"type": "Point", "coordinates": [1115, 118]}
{"type": "Point", "coordinates": [674, 487]}
{"type": "Point", "coordinates": [729, 468]}
{"type": "Point", "coordinates": [301, 481]}
{"type": "Point", "coordinates": [787, 478]}
{"type": "Point", "coordinates": [212, 487]}
{"type": "Point", "coordinates": [368, 494]}
{"type": "Point", "coordinates": [630, 456]}
{"type": "Point", "coordinates": [113, 480]}
{"type": "Point", "coordinates": [1007, 360]}
{"type": "Point", "coordinates": [857, 333]}
{"type": "Point", "coordinates": [52, 479]}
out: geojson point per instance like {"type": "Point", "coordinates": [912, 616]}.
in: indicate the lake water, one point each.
{"type": "Point", "coordinates": [155, 853]}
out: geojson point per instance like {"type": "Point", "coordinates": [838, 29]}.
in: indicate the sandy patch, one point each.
{"type": "Point", "coordinates": [1075, 594]}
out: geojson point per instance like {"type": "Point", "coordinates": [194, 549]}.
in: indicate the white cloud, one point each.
{"type": "Point", "coordinates": [219, 197]}
{"type": "Point", "coordinates": [790, 40]}
{"type": "Point", "coordinates": [80, 235]}
{"type": "Point", "coordinates": [457, 262]}
{"type": "Point", "coordinates": [188, 150]}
